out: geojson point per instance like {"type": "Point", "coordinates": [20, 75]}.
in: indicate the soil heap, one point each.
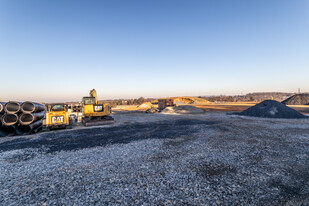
{"type": "Point", "coordinates": [145, 105]}
{"type": "Point", "coordinates": [272, 109]}
{"type": "Point", "coordinates": [183, 109]}
{"type": "Point", "coordinates": [297, 99]}
{"type": "Point", "coordinates": [189, 100]}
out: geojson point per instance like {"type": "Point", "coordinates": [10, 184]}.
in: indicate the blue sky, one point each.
{"type": "Point", "coordinates": [58, 50]}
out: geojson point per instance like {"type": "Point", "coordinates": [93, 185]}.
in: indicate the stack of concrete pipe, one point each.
{"type": "Point", "coordinates": [20, 118]}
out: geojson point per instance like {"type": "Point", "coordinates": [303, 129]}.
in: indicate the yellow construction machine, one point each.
{"type": "Point", "coordinates": [94, 113]}
{"type": "Point", "coordinates": [57, 116]}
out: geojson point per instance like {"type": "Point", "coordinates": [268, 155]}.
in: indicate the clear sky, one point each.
{"type": "Point", "coordinates": [58, 50]}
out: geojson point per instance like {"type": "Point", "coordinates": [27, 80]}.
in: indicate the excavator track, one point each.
{"type": "Point", "coordinates": [95, 121]}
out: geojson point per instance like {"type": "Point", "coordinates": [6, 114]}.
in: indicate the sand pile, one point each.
{"type": "Point", "coordinates": [183, 100]}
{"type": "Point", "coordinates": [272, 109]}
{"type": "Point", "coordinates": [189, 100]}
{"type": "Point", "coordinates": [297, 99]}
{"type": "Point", "coordinates": [145, 105]}
{"type": "Point", "coordinates": [184, 109]}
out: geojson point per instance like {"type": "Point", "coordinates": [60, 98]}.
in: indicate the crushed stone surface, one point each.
{"type": "Point", "coordinates": [157, 159]}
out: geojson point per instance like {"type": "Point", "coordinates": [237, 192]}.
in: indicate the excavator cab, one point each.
{"type": "Point", "coordinates": [89, 100]}
{"type": "Point", "coordinates": [94, 113]}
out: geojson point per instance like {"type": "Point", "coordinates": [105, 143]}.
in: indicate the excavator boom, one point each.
{"type": "Point", "coordinates": [93, 93]}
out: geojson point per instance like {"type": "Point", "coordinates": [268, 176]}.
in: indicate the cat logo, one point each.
{"type": "Point", "coordinates": [57, 119]}
{"type": "Point", "coordinates": [57, 116]}
{"type": "Point", "coordinates": [98, 108]}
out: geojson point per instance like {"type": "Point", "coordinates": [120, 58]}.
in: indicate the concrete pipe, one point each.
{"type": "Point", "coordinates": [6, 131]}
{"type": "Point", "coordinates": [32, 107]}
{"type": "Point", "coordinates": [9, 119]}
{"type": "Point", "coordinates": [28, 129]}
{"type": "Point", "coordinates": [2, 104]}
{"type": "Point", "coordinates": [12, 107]}
{"type": "Point", "coordinates": [26, 119]}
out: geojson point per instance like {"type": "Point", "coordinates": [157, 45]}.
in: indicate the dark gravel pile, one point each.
{"type": "Point", "coordinates": [297, 99]}
{"type": "Point", "coordinates": [272, 109]}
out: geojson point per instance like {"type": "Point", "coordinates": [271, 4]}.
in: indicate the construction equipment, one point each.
{"type": "Point", "coordinates": [31, 107]}
{"type": "Point", "coordinates": [6, 131]}
{"type": "Point", "coordinates": [166, 102]}
{"type": "Point", "coordinates": [9, 119]}
{"type": "Point", "coordinates": [17, 118]}
{"type": "Point", "coordinates": [2, 104]}
{"type": "Point", "coordinates": [57, 116]}
{"type": "Point", "coordinates": [94, 113]}
{"type": "Point", "coordinates": [12, 107]}
{"type": "Point", "coordinates": [29, 118]}
{"type": "Point", "coordinates": [29, 128]}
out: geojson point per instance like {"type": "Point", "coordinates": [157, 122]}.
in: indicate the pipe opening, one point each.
{"type": "Point", "coordinates": [6, 131]}
{"type": "Point", "coordinates": [9, 119]}
{"type": "Point", "coordinates": [12, 107]}
{"type": "Point", "coordinates": [26, 118]}
{"type": "Point", "coordinates": [28, 107]}
{"type": "Point", "coordinates": [24, 129]}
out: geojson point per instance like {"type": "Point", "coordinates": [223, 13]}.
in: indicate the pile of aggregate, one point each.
{"type": "Point", "coordinates": [272, 109]}
{"type": "Point", "coordinates": [145, 105]}
{"type": "Point", "coordinates": [297, 99]}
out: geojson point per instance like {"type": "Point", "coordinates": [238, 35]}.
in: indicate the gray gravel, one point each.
{"type": "Point", "coordinates": [272, 109]}
{"type": "Point", "coordinates": [156, 159]}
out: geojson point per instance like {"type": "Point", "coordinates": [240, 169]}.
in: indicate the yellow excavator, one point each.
{"type": "Point", "coordinates": [94, 113]}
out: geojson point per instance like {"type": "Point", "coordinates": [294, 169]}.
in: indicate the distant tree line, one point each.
{"type": "Point", "coordinates": [251, 97]}
{"type": "Point", "coordinates": [116, 102]}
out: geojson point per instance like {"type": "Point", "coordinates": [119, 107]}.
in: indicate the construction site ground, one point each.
{"type": "Point", "coordinates": [225, 107]}
{"type": "Point", "coordinates": [156, 159]}
{"type": "Point", "coordinates": [240, 106]}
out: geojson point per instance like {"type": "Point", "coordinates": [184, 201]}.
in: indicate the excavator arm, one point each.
{"type": "Point", "coordinates": [93, 93]}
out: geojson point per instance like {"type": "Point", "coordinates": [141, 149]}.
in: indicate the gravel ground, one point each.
{"type": "Point", "coordinates": [156, 159]}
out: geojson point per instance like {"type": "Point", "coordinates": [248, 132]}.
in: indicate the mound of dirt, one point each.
{"type": "Point", "coordinates": [189, 100]}
{"type": "Point", "coordinates": [184, 109]}
{"type": "Point", "coordinates": [297, 99]}
{"type": "Point", "coordinates": [145, 105]}
{"type": "Point", "coordinates": [272, 109]}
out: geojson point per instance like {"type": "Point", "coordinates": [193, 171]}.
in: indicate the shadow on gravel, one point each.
{"type": "Point", "coordinates": [93, 137]}
{"type": "Point", "coordinates": [295, 186]}
{"type": "Point", "coordinates": [209, 170]}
